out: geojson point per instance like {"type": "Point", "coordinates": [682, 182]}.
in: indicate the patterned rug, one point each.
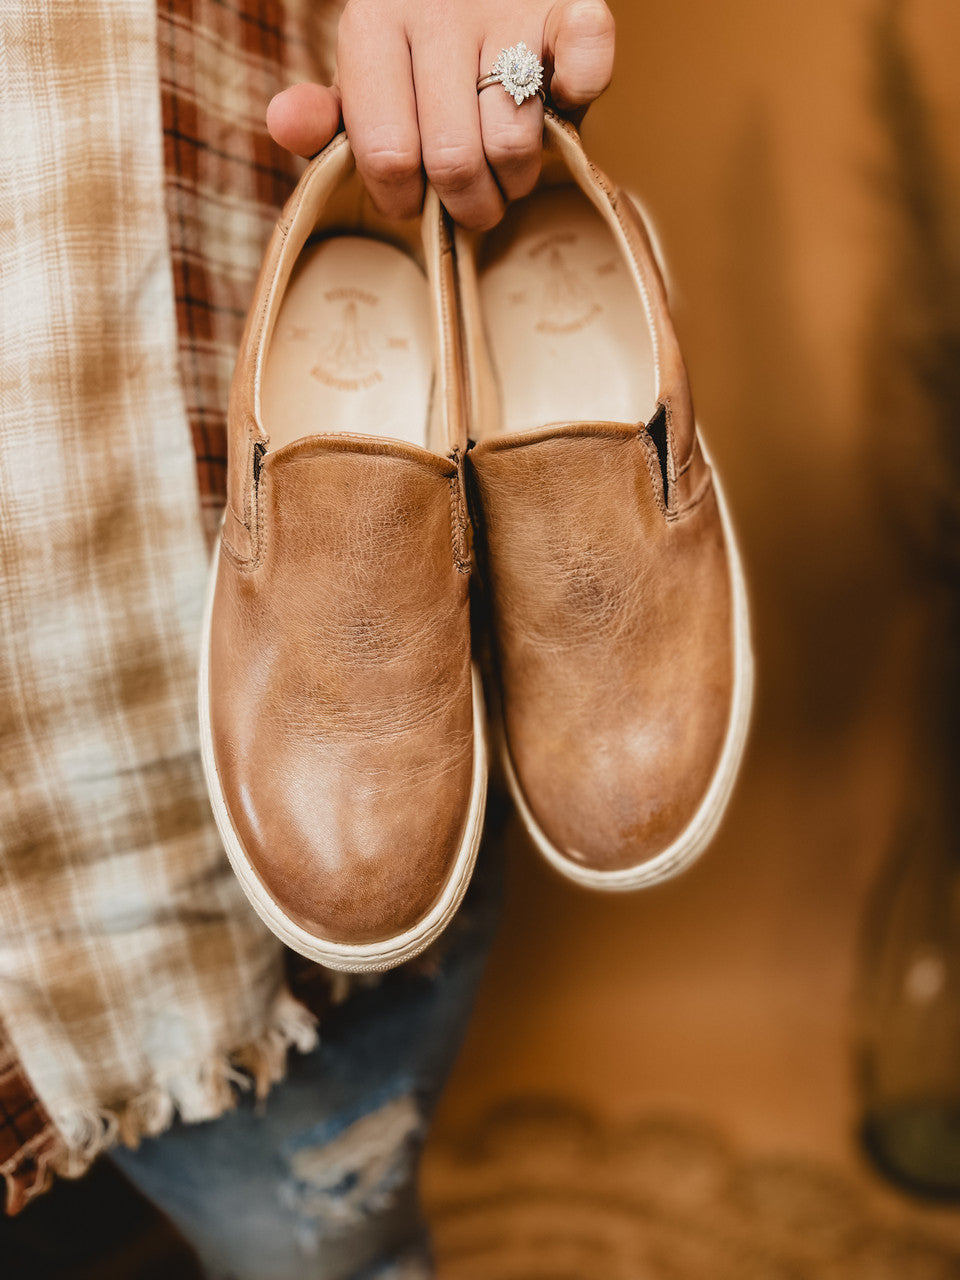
{"type": "Point", "coordinates": [544, 1191]}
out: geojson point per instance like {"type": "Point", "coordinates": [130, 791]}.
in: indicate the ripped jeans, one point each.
{"type": "Point", "coordinates": [320, 1182]}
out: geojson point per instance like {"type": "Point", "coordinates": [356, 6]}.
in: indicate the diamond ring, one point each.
{"type": "Point", "coordinates": [520, 72]}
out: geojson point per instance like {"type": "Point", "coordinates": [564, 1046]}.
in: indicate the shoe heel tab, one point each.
{"type": "Point", "coordinates": [323, 175]}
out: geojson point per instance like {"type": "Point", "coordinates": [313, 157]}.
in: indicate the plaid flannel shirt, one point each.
{"type": "Point", "coordinates": [134, 980]}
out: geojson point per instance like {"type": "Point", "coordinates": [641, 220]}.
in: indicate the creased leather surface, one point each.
{"type": "Point", "coordinates": [340, 684]}
{"type": "Point", "coordinates": [340, 679]}
{"type": "Point", "coordinates": [612, 621]}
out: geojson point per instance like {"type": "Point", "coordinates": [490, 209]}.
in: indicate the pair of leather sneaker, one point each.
{"type": "Point", "coordinates": [411, 407]}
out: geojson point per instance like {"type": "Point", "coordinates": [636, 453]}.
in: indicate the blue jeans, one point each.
{"type": "Point", "coordinates": [321, 1180]}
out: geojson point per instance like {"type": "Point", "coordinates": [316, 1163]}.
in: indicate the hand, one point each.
{"type": "Point", "coordinates": [406, 88]}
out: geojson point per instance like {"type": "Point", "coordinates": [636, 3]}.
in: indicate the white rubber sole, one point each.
{"type": "Point", "coordinates": [371, 957]}
{"type": "Point", "coordinates": [695, 837]}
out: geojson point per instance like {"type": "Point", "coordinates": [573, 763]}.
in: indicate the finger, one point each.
{"type": "Point", "coordinates": [304, 118]}
{"type": "Point", "coordinates": [380, 110]}
{"type": "Point", "coordinates": [580, 36]}
{"type": "Point", "coordinates": [512, 135]}
{"type": "Point", "coordinates": [450, 137]}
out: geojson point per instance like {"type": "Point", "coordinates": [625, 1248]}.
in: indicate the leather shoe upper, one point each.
{"type": "Point", "coordinates": [341, 706]}
{"type": "Point", "coordinates": [611, 617]}
{"type": "Point", "coordinates": [611, 597]}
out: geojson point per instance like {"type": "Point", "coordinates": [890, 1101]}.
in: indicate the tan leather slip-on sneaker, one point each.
{"type": "Point", "coordinates": [616, 594]}
{"type": "Point", "coordinates": [342, 724]}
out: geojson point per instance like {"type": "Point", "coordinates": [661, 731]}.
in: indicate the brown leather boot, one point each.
{"type": "Point", "coordinates": [341, 720]}
{"type": "Point", "coordinates": [617, 600]}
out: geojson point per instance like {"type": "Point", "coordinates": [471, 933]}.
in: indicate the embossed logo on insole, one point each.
{"type": "Point", "coordinates": [351, 349]}
{"type": "Point", "coordinates": [566, 304]}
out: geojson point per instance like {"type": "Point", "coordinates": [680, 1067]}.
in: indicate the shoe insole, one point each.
{"type": "Point", "coordinates": [352, 348]}
{"type": "Point", "coordinates": [566, 327]}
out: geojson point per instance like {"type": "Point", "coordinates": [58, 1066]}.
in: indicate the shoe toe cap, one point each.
{"type": "Point", "coordinates": [353, 857]}
{"type": "Point", "coordinates": [620, 801]}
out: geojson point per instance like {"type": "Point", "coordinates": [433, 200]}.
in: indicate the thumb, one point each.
{"type": "Point", "coordinates": [304, 117]}
{"type": "Point", "coordinates": [579, 40]}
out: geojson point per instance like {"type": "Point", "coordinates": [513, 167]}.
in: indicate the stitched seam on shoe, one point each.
{"type": "Point", "coordinates": [308, 458]}
{"type": "Point", "coordinates": [458, 539]}
{"type": "Point", "coordinates": [232, 551]}
{"type": "Point", "coordinates": [695, 501]}
{"type": "Point", "coordinates": [671, 451]}
{"type": "Point", "coordinates": [240, 563]}
{"type": "Point", "coordinates": [251, 525]}
{"type": "Point", "coordinates": [601, 179]}
{"type": "Point", "coordinates": [248, 564]}
{"type": "Point", "coordinates": [604, 183]}
{"type": "Point", "coordinates": [652, 459]}
{"type": "Point", "coordinates": [688, 460]}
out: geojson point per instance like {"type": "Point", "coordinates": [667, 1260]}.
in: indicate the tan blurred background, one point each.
{"type": "Point", "coordinates": [758, 134]}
